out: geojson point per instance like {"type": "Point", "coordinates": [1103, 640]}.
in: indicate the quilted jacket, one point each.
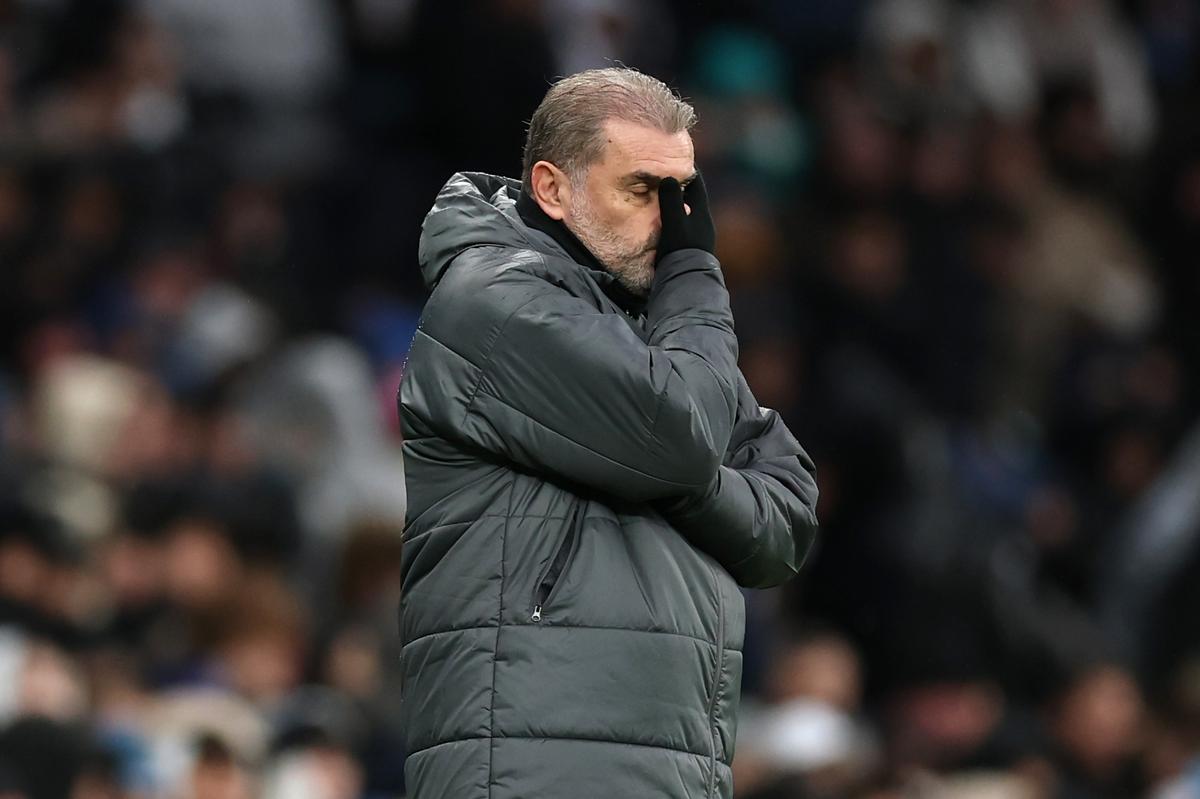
{"type": "Point", "coordinates": [588, 485]}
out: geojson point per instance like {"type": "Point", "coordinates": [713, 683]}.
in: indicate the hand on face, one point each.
{"type": "Point", "coordinates": [686, 221]}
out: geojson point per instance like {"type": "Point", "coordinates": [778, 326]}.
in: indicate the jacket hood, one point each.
{"type": "Point", "coordinates": [475, 209]}
{"type": "Point", "coordinates": [472, 209]}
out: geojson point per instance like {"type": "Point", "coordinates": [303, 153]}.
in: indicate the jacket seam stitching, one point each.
{"type": "Point", "coordinates": [581, 739]}
{"type": "Point", "coordinates": [541, 516]}
{"type": "Point", "coordinates": [758, 546]}
{"type": "Point", "coordinates": [496, 649]}
{"type": "Point", "coordinates": [491, 348]}
{"type": "Point", "coordinates": [468, 522]}
{"type": "Point", "coordinates": [553, 626]}
{"type": "Point", "coordinates": [542, 425]}
{"type": "Point", "coordinates": [753, 554]}
{"type": "Point", "coordinates": [447, 348]}
{"type": "Point", "coordinates": [727, 388]}
{"type": "Point", "coordinates": [481, 368]}
{"type": "Point", "coordinates": [712, 705]}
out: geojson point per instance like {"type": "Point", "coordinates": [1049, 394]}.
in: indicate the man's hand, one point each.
{"type": "Point", "coordinates": [682, 230]}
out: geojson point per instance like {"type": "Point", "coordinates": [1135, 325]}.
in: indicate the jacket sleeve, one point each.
{"type": "Point", "coordinates": [757, 517]}
{"type": "Point", "coordinates": [507, 362]}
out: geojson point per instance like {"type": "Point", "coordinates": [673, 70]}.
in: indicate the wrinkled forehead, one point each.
{"type": "Point", "coordinates": [633, 149]}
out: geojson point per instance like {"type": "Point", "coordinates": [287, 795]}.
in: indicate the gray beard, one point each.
{"type": "Point", "coordinates": [634, 271]}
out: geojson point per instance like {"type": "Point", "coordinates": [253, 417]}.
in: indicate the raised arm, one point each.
{"type": "Point", "coordinates": [509, 363]}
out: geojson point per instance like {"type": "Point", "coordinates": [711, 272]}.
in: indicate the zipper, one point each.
{"type": "Point", "coordinates": [545, 586]}
{"type": "Point", "coordinates": [712, 701]}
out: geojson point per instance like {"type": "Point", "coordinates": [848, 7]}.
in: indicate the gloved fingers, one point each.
{"type": "Point", "coordinates": [696, 195]}
{"type": "Point", "coordinates": [670, 198]}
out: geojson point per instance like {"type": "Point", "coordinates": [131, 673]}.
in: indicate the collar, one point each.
{"type": "Point", "coordinates": [532, 214]}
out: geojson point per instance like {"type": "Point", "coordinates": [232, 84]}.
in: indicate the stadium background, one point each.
{"type": "Point", "coordinates": [963, 244]}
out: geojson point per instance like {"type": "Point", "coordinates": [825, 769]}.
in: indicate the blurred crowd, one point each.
{"type": "Point", "coordinates": [963, 245]}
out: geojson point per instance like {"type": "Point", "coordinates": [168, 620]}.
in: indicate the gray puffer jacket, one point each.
{"type": "Point", "coordinates": [586, 490]}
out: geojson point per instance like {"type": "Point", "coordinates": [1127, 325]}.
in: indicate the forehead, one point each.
{"type": "Point", "coordinates": [630, 147]}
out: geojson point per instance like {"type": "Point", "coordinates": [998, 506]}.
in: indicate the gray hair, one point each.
{"type": "Point", "coordinates": [567, 127]}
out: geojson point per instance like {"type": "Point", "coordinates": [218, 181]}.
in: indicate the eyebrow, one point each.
{"type": "Point", "coordinates": [652, 180]}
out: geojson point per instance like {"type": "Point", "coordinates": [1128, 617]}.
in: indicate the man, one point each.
{"type": "Point", "coordinates": [589, 478]}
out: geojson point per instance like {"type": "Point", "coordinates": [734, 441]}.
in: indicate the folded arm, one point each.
{"type": "Point", "coordinates": [757, 517]}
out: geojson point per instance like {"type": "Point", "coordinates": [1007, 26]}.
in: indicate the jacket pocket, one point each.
{"type": "Point", "coordinates": [543, 591]}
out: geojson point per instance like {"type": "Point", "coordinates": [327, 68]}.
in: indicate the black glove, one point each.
{"type": "Point", "coordinates": [681, 230]}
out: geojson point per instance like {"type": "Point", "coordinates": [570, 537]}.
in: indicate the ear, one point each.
{"type": "Point", "coordinates": [551, 189]}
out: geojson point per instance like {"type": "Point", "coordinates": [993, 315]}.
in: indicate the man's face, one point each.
{"type": "Point", "coordinates": [615, 210]}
